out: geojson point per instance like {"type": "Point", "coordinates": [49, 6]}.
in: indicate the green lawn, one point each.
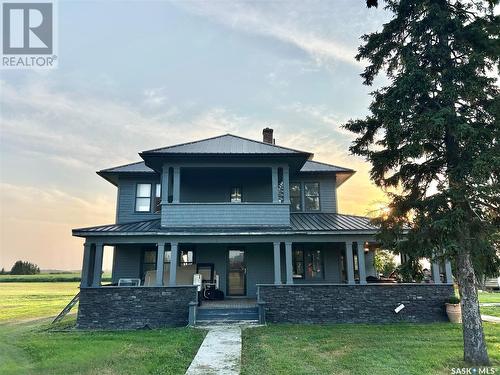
{"type": "Point", "coordinates": [359, 349]}
{"type": "Point", "coordinates": [491, 310]}
{"type": "Point", "coordinates": [489, 297]}
{"type": "Point", "coordinates": [29, 348]}
{"type": "Point", "coordinates": [34, 300]}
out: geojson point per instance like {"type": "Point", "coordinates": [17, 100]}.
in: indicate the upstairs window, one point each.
{"type": "Point", "coordinates": [143, 198]}
{"type": "Point", "coordinates": [236, 194]}
{"type": "Point", "coordinates": [311, 196]}
{"type": "Point", "coordinates": [295, 196]}
{"type": "Point", "coordinates": [157, 198]}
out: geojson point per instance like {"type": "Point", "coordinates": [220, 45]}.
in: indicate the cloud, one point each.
{"type": "Point", "coordinates": [285, 22]}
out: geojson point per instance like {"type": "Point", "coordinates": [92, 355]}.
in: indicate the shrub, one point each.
{"type": "Point", "coordinates": [24, 268]}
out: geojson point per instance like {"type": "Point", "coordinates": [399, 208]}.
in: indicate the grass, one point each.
{"type": "Point", "coordinates": [19, 301]}
{"type": "Point", "coordinates": [33, 348]}
{"type": "Point", "coordinates": [489, 297]}
{"type": "Point", "coordinates": [359, 349]}
{"type": "Point", "coordinates": [36, 347]}
{"type": "Point", "coordinates": [47, 277]}
{"type": "Point", "coordinates": [491, 310]}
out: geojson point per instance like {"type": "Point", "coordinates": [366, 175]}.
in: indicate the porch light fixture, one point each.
{"type": "Point", "coordinates": [366, 248]}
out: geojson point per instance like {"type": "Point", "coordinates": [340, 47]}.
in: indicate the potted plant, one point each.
{"type": "Point", "coordinates": [453, 310]}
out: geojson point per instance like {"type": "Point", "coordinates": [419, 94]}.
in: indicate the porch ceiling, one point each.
{"type": "Point", "coordinates": [300, 223]}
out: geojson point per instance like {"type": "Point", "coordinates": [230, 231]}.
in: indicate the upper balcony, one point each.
{"type": "Point", "coordinates": [225, 195]}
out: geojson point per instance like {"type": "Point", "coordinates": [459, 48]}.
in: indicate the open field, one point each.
{"type": "Point", "coordinates": [19, 301]}
{"type": "Point", "coordinates": [47, 277]}
{"type": "Point", "coordinates": [359, 349]}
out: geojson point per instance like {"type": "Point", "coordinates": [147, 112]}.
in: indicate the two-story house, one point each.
{"type": "Point", "coordinates": [253, 218]}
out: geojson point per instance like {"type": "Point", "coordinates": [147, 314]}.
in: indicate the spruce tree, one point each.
{"type": "Point", "coordinates": [432, 138]}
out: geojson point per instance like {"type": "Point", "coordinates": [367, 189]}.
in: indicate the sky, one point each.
{"type": "Point", "coordinates": [139, 75]}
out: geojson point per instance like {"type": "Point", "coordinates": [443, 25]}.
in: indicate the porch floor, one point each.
{"type": "Point", "coordinates": [229, 303]}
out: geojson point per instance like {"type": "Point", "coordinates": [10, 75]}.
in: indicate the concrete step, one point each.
{"type": "Point", "coordinates": [211, 323]}
{"type": "Point", "coordinates": [228, 314]}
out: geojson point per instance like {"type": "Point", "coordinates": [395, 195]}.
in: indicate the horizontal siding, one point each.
{"type": "Point", "coordinates": [126, 262]}
{"type": "Point", "coordinates": [327, 191]}
{"type": "Point", "coordinates": [175, 215]}
{"type": "Point", "coordinates": [126, 200]}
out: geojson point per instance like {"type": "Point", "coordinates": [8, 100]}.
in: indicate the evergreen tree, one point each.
{"type": "Point", "coordinates": [24, 268]}
{"type": "Point", "coordinates": [432, 137]}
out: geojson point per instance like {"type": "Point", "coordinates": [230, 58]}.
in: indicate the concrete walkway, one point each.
{"type": "Point", "coordinates": [220, 352]}
{"type": "Point", "coordinates": [490, 318]}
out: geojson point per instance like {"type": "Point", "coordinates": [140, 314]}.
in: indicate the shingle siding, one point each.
{"type": "Point", "coordinates": [327, 191]}
{"type": "Point", "coordinates": [126, 201]}
{"type": "Point", "coordinates": [179, 215]}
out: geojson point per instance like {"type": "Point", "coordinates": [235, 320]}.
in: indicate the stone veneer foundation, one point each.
{"type": "Point", "coordinates": [342, 303]}
{"type": "Point", "coordinates": [134, 307]}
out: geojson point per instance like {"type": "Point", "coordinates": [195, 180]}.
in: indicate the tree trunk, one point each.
{"type": "Point", "coordinates": [475, 351]}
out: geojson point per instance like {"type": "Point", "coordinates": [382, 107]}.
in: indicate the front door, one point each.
{"type": "Point", "coordinates": [237, 273]}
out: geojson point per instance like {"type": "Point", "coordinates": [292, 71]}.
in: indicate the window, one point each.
{"type": "Point", "coordinates": [311, 194]}
{"type": "Point", "coordinates": [308, 264]}
{"type": "Point", "coordinates": [148, 261]}
{"type": "Point", "coordinates": [143, 198]}
{"type": "Point", "coordinates": [158, 198]}
{"type": "Point", "coordinates": [298, 264]}
{"type": "Point", "coordinates": [295, 196]}
{"type": "Point", "coordinates": [186, 257]}
{"type": "Point", "coordinates": [236, 194]}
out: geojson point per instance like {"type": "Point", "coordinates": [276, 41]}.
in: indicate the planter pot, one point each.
{"type": "Point", "coordinates": [454, 312]}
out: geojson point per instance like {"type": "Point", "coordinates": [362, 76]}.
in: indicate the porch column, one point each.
{"type": "Point", "coordinates": [449, 274]}
{"type": "Point", "coordinates": [97, 265]}
{"type": "Point", "coordinates": [274, 180]}
{"type": "Point", "coordinates": [87, 248]}
{"type": "Point", "coordinates": [173, 264]}
{"type": "Point", "coordinates": [435, 272]}
{"type": "Point", "coordinates": [361, 263]}
{"type": "Point", "coordinates": [349, 262]}
{"type": "Point", "coordinates": [277, 263]}
{"type": "Point", "coordinates": [160, 259]}
{"type": "Point", "coordinates": [286, 185]}
{"type": "Point", "coordinates": [288, 264]}
{"type": "Point", "coordinates": [164, 184]}
{"type": "Point", "coordinates": [177, 185]}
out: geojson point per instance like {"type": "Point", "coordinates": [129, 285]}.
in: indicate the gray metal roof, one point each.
{"type": "Point", "coordinates": [300, 223]}
{"type": "Point", "coordinates": [316, 166]}
{"type": "Point", "coordinates": [309, 166]}
{"type": "Point", "coordinates": [139, 166]}
{"type": "Point", "coordinates": [225, 144]}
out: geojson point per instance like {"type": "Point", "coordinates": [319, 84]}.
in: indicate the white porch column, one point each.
{"type": "Point", "coordinates": [435, 272]}
{"type": "Point", "coordinates": [349, 262]}
{"type": "Point", "coordinates": [164, 184]}
{"type": "Point", "coordinates": [274, 180]}
{"type": "Point", "coordinates": [96, 281]}
{"type": "Point", "coordinates": [286, 185]}
{"type": "Point", "coordinates": [288, 263]}
{"type": "Point", "coordinates": [87, 248]}
{"type": "Point", "coordinates": [361, 263]}
{"type": "Point", "coordinates": [277, 263]}
{"type": "Point", "coordinates": [177, 185]}
{"type": "Point", "coordinates": [160, 259]}
{"type": "Point", "coordinates": [449, 274]}
{"type": "Point", "coordinates": [173, 263]}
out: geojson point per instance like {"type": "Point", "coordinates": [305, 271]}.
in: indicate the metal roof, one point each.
{"type": "Point", "coordinates": [301, 223]}
{"type": "Point", "coordinates": [225, 144]}
{"type": "Point", "coordinates": [316, 166]}
{"type": "Point", "coordinates": [139, 166]}
{"type": "Point", "coordinates": [309, 166]}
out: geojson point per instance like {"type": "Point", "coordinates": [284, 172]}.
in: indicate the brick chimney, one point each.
{"type": "Point", "coordinates": [267, 136]}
